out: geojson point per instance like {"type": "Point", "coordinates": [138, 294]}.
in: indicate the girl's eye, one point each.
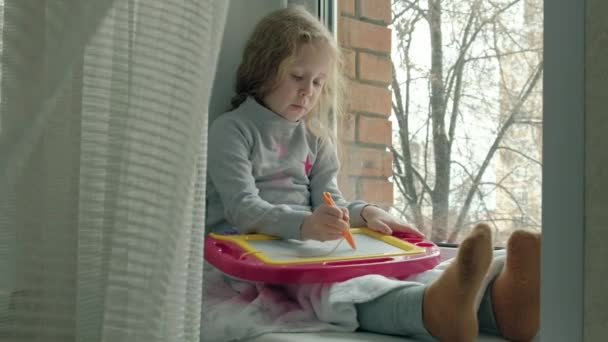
{"type": "Point", "coordinates": [297, 77]}
{"type": "Point", "coordinates": [317, 83]}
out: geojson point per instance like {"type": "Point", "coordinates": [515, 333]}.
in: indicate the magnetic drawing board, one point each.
{"type": "Point", "coordinates": [258, 257]}
{"type": "Point", "coordinates": [369, 244]}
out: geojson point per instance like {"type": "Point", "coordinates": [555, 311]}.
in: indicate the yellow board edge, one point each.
{"type": "Point", "coordinates": [242, 240]}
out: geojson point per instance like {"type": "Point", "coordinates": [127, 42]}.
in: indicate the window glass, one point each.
{"type": "Point", "coordinates": [466, 115]}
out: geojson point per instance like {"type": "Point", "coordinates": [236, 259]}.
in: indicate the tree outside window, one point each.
{"type": "Point", "coordinates": [466, 112]}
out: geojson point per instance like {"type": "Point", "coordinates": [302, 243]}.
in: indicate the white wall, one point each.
{"type": "Point", "coordinates": [242, 17]}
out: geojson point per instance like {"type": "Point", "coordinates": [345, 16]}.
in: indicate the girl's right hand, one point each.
{"type": "Point", "coordinates": [325, 223]}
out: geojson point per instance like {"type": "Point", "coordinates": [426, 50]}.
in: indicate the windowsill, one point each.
{"type": "Point", "coordinates": [351, 336]}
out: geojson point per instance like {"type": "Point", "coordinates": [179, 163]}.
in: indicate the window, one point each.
{"type": "Point", "coordinates": [452, 94]}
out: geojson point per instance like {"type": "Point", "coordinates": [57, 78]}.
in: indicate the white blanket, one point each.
{"type": "Point", "coordinates": [235, 310]}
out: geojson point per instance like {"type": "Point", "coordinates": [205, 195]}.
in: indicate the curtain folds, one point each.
{"type": "Point", "coordinates": [103, 118]}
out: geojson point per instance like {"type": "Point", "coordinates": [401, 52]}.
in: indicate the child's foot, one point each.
{"type": "Point", "coordinates": [448, 312]}
{"type": "Point", "coordinates": [516, 290]}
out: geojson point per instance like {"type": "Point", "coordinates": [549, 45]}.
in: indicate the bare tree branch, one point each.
{"type": "Point", "coordinates": [401, 109]}
{"type": "Point", "coordinates": [500, 55]}
{"type": "Point", "coordinates": [423, 165]}
{"type": "Point", "coordinates": [458, 71]}
{"type": "Point", "coordinates": [524, 94]}
{"type": "Point", "coordinates": [409, 5]}
{"type": "Point", "coordinates": [420, 178]}
{"type": "Point", "coordinates": [506, 148]}
{"type": "Point", "coordinates": [494, 220]}
{"type": "Point", "coordinates": [514, 200]}
{"type": "Point", "coordinates": [529, 122]}
{"type": "Point", "coordinates": [466, 42]}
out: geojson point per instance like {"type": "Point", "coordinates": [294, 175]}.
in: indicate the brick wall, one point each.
{"type": "Point", "coordinates": [366, 130]}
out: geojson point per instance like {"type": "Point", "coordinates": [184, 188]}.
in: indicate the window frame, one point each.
{"type": "Point", "coordinates": [563, 172]}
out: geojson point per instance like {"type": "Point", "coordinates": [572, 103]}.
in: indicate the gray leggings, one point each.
{"type": "Point", "coordinates": [399, 312]}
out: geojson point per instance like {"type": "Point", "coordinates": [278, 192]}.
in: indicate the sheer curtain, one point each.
{"type": "Point", "coordinates": [103, 116]}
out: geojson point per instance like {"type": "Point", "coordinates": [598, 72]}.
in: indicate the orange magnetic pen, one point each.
{"type": "Point", "coordinates": [347, 235]}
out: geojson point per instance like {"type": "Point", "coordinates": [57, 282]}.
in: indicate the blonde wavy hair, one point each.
{"type": "Point", "coordinates": [270, 50]}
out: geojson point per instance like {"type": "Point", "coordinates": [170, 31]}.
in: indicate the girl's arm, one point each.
{"type": "Point", "coordinates": [230, 171]}
{"type": "Point", "coordinates": [323, 177]}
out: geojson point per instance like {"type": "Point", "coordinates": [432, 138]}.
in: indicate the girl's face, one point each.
{"type": "Point", "coordinates": [298, 92]}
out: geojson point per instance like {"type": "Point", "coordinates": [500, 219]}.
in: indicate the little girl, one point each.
{"type": "Point", "coordinates": [272, 157]}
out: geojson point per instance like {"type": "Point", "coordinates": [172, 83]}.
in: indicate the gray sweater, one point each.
{"type": "Point", "coordinates": [266, 174]}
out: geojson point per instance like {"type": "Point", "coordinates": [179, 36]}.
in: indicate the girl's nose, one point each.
{"type": "Point", "coordinates": [306, 89]}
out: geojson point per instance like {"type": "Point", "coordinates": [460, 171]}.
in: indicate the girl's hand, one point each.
{"type": "Point", "coordinates": [383, 222]}
{"type": "Point", "coordinates": [325, 223]}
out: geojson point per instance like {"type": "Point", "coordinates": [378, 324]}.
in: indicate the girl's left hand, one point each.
{"type": "Point", "coordinates": [385, 223]}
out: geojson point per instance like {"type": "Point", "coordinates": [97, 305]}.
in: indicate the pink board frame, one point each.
{"type": "Point", "coordinates": [229, 258]}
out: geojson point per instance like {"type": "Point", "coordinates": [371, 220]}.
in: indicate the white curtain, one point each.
{"type": "Point", "coordinates": [103, 116]}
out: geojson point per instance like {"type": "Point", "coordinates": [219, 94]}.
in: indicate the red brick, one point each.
{"type": "Point", "coordinates": [376, 10]}
{"type": "Point", "coordinates": [375, 130]}
{"type": "Point", "coordinates": [364, 161]}
{"type": "Point", "coordinates": [374, 68]}
{"type": "Point", "coordinates": [376, 191]}
{"type": "Point", "coordinates": [347, 186]}
{"type": "Point", "coordinates": [369, 98]}
{"type": "Point", "coordinates": [346, 129]}
{"type": "Point", "coordinates": [346, 6]}
{"type": "Point", "coordinates": [350, 65]}
{"type": "Point", "coordinates": [357, 34]}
